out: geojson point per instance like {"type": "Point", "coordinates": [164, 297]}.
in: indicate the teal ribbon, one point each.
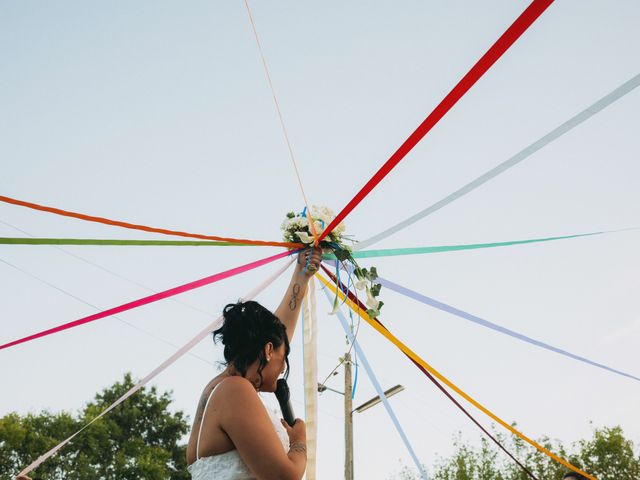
{"type": "Point", "coordinates": [394, 252]}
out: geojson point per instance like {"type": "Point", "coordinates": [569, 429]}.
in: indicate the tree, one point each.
{"type": "Point", "coordinates": [608, 455]}
{"type": "Point", "coordinates": [137, 440]}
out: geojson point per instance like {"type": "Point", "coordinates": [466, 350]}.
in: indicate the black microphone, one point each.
{"type": "Point", "coordinates": [282, 394]}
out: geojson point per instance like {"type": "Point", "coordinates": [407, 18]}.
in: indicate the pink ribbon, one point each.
{"type": "Point", "coordinates": [150, 299]}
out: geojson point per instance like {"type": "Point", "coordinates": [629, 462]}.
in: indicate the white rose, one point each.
{"type": "Point", "coordinates": [328, 212]}
{"type": "Point", "coordinates": [322, 213]}
{"type": "Point", "coordinates": [288, 223]}
{"type": "Point", "coordinates": [340, 228]}
{"type": "Point", "coordinates": [304, 237]}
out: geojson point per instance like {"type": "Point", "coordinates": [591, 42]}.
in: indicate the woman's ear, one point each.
{"type": "Point", "coordinates": [268, 351]}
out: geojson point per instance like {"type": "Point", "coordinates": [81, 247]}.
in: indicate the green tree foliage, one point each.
{"type": "Point", "coordinates": [137, 440]}
{"type": "Point", "coordinates": [608, 455]}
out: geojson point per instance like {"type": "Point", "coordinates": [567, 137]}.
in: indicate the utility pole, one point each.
{"type": "Point", "coordinates": [348, 411]}
{"type": "Point", "coordinates": [348, 420]}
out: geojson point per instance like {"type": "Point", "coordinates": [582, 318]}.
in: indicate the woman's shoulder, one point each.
{"type": "Point", "coordinates": [235, 384]}
{"type": "Point", "coordinates": [226, 383]}
{"type": "Point", "coordinates": [237, 399]}
{"type": "Point", "coordinates": [231, 390]}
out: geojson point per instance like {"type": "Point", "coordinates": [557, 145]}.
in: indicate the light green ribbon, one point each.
{"type": "Point", "coordinates": [393, 252]}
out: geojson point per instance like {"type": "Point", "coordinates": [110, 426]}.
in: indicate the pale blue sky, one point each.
{"type": "Point", "coordinates": [159, 113]}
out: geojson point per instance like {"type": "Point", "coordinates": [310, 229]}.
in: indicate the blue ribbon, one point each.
{"type": "Point", "coordinates": [378, 388]}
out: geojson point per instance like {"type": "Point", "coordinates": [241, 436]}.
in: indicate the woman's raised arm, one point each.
{"type": "Point", "coordinates": [289, 309]}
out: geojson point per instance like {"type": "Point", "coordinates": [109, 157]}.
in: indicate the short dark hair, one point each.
{"type": "Point", "coordinates": [247, 328]}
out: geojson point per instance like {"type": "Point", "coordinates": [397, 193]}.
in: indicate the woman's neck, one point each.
{"type": "Point", "coordinates": [251, 375]}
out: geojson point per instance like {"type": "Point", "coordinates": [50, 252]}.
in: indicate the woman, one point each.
{"type": "Point", "coordinates": [234, 437]}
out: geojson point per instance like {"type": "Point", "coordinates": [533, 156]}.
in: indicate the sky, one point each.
{"type": "Point", "coordinates": [159, 113]}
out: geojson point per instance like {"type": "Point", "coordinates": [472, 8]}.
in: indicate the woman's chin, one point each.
{"type": "Point", "coordinates": [269, 388]}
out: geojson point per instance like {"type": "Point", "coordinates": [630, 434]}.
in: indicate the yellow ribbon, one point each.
{"type": "Point", "coordinates": [407, 351]}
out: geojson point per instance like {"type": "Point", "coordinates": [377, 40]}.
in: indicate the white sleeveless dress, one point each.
{"type": "Point", "coordinates": [229, 465]}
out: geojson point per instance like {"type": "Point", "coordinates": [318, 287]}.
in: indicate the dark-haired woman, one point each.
{"type": "Point", "coordinates": [234, 437]}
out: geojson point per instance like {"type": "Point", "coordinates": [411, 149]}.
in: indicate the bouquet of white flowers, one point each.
{"type": "Point", "coordinates": [297, 228]}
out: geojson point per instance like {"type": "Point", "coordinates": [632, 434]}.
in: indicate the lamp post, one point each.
{"type": "Point", "coordinates": [348, 412]}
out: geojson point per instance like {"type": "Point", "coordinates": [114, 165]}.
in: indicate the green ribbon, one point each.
{"type": "Point", "coordinates": [389, 252]}
{"type": "Point", "coordinates": [393, 252]}
{"type": "Point", "coordinates": [89, 241]}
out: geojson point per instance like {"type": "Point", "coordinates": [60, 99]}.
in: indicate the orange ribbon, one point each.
{"type": "Point", "coordinates": [133, 226]}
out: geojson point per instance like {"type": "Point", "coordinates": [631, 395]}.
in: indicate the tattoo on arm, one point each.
{"type": "Point", "coordinates": [201, 407]}
{"type": "Point", "coordinates": [293, 303]}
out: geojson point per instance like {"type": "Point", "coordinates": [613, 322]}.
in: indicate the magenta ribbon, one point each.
{"type": "Point", "coordinates": [151, 298]}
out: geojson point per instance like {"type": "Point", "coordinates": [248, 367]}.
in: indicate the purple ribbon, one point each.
{"type": "Point", "coordinates": [493, 326]}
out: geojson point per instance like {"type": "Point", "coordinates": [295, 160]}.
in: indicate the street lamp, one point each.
{"type": "Point", "coordinates": [376, 400]}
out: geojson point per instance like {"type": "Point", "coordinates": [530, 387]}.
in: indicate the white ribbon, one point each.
{"type": "Point", "coordinates": [310, 356]}
{"type": "Point", "coordinates": [570, 124]}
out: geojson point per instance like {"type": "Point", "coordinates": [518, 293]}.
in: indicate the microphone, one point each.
{"type": "Point", "coordinates": [282, 394]}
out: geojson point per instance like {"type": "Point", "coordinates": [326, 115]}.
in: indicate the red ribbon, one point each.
{"type": "Point", "coordinates": [522, 23]}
